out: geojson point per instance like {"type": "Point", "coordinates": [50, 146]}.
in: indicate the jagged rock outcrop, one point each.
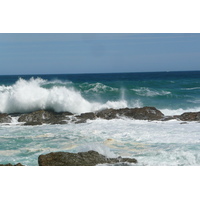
{"type": "Point", "coordinates": [189, 116]}
{"type": "Point", "coordinates": [5, 118]}
{"type": "Point", "coordinates": [44, 116]}
{"type": "Point", "coordinates": [145, 113]}
{"type": "Point", "coordinates": [90, 158]}
{"type": "Point", "coordinates": [50, 117]}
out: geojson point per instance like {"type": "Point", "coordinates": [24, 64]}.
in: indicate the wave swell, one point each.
{"type": "Point", "coordinates": [150, 93]}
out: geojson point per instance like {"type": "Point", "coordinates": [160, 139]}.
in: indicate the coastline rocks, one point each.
{"type": "Point", "coordinates": [90, 158]}
{"type": "Point", "coordinates": [5, 118]}
{"type": "Point", "coordinates": [145, 113]}
{"type": "Point", "coordinates": [50, 117]}
{"type": "Point", "coordinates": [190, 116]}
{"type": "Point", "coordinates": [44, 116]}
{"type": "Point", "coordinates": [84, 117]}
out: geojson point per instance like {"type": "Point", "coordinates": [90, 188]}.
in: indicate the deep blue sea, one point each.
{"type": "Point", "coordinates": [151, 143]}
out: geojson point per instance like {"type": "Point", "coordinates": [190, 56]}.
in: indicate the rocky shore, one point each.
{"type": "Point", "coordinates": [50, 117]}
{"type": "Point", "coordinates": [90, 158]}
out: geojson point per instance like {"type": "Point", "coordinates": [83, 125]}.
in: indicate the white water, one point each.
{"type": "Point", "coordinates": [169, 112]}
{"type": "Point", "coordinates": [151, 143]}
{"type": "Point", "coordinates": [26, 96]}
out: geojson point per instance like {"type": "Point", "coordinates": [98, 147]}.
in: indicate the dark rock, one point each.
{"type": "Point", "coordinates": [5, 118]}
{"type": "Point", "coordinates": [44, 116]}
{"type": "Point", "coordinates": [18, 164]}
{"type": "Point", "coordinates": [84, 117]}
{"type": "Point", "coordinates": [90, 158]}
{"type": "Point", "coordinates": [32, 123]}
{"type": "Point", "coordinates": [108, 113]}
{"type": "Point", "coordinates": [183, 123]}
{"type": "Point", "coordinates": [190, 116]}
{"type": "Point", "coordinates": [145, 113]}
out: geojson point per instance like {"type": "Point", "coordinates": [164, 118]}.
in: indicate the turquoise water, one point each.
{"type": "Point", "coordinates": [164, 90]}
{"type": "Point", "coordinates": [151, 143]}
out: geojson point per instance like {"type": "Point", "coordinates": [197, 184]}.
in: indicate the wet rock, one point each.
{"type": "Point", "coordinates": [44, 116]}
{"type": "Point", "coordinates": [84, 117]}
{"type": "Point", "coordinates": [18, 164]}
{"type": "Point", "coordinates": [5, 118]}
{"type": "Point", "coordinates": [183, 123]}
{"type": "Point", "coordinates": [32, 123]}
{"type": "Point", "coordinates": [145, 113]}
{"type": "Point", "coordinates": [190, 116]}
{"type": "Point", "coordinates": [90, 158]}
{"type": "Point", "coordinates": [108, 114]}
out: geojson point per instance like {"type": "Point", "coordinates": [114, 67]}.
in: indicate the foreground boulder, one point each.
{"type": "Point", "coordinates": [5, 118]}
{"type": "Point", "coordinates": [44, 116]}
{"type": "Point", "coordinates": [90, 158]}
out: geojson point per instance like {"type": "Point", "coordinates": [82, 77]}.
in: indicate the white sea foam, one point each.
{"type": "Point", "coordinates": [150, 92]}
{"type": "Point", "coordinates": [169, 112]}
{"type": "Point", "coordinates": [26, 96]}
{"type": "Point", "coordinates": [151, 143]}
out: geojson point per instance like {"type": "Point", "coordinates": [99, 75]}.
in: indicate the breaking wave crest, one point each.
{"type": "Point", "coordinates": [30, 95]}
{"type": "Point", "coordinates": [97, 88]}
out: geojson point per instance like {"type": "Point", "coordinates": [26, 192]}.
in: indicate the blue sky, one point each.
{"type": "Point", "coordinates": [47, 53]}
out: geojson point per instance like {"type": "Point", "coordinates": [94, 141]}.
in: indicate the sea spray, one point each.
{"type": "Point", "coordinates": [30, 95]}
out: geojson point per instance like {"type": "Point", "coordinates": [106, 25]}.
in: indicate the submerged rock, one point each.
{"type": "Point", "coordinates": [18, 164]}
{"type": "Point", "coordinates": [5, 118]}
{"type": "Point", "coordinates": [44, 116]}
{"type": "Point", "coordinates": [90, 158]}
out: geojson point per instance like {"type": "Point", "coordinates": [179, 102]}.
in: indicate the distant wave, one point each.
{"type": "Point", "coordinates": [143, 91]}
{"type": "Point", "coordinates": [194, 88]}
{"type": "Point", "coordinates": [97, 88]}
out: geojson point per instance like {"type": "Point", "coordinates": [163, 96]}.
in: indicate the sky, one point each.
{"type": "Point", "coordinates": [68, 53]}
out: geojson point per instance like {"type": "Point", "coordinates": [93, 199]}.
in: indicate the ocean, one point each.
{"type": "Point", "coordinates": [152, 143]}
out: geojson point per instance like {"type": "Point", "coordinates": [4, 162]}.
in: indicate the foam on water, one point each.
{"type": "Point", "coordinates": [151, 143]}
{"type": "Point", "coordinates": [170, 112]}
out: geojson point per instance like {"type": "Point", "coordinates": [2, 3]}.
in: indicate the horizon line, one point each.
{"type": "Point", "coordinates": [166, 71]}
